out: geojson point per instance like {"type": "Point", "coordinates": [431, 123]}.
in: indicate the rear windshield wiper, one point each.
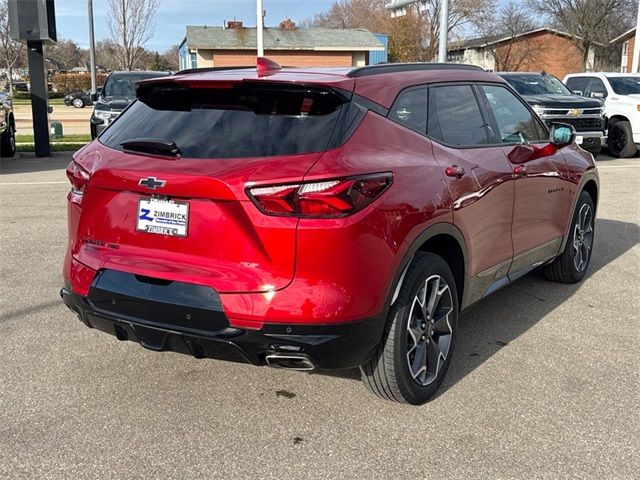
{"type": "Point", "coordinates": [155, 146]}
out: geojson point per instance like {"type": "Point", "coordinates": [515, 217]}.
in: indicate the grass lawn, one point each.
{"type": "Point", "coordinates": [26, 101]}
{"type": "Point", "coordinates": [71, 138]}
{"type": "Point", "coordinates": [55, 147]}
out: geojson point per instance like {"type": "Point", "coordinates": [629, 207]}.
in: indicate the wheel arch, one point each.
{"type": "Point", "coordinates": [444, 240]}
{"type": "Point", "coordinates": [617, 118]}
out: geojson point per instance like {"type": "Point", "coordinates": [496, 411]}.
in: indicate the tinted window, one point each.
{"type": "Point", "coordinates": [410, 109]}
{"type": "Point", "coordinates": [454, 116]}
{"type": "Point", "coordinates": [123, 85]}
{"type": "Point", "coordinates": [234, 122]}
{"type": "Point", "coordinates": [537, 84]}
{"type": "Point", "coordinates": [625, 85]}
{"type": "Point", "coordinates": [516, 124]}
{"type": "Point", "coordinates": [578, 84]}
{"type": "Point", "coordinates": [597, 86]}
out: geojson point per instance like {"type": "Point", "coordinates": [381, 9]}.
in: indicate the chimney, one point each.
{"type": "Point", "coordinates": [287, 24]}
{"type": "Point", "coordinates": [234, 24]}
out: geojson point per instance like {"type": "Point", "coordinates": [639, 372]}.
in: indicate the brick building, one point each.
{"type": "Point", "coordinates": [541, 49]}
{"type": "Point", "coordinates": [235, 45]}
{"type": "Point", "coordinates": [628, 40]}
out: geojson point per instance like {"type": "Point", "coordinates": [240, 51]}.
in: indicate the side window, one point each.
{"type": "Point", "coordinates": [454, 116]}
{"type": "Point", "coordinates": [516, 123]}
{"type": "Point", "coordinates": [410, 109]}
{"type": "Point", "coordinates": [577, 84]}
{"type": "Point", "coordinates": [597, 89]}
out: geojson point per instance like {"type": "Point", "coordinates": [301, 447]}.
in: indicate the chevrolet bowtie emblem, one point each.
{"type": "Point", "coordinates": [152, 182]}
{"type": "Point", "coordinates": [576, 112]}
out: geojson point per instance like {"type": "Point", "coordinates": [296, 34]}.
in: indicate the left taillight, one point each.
{"type": "Point", "coordinates": [333, 198]}
{"type": "Point", "coordinates": [78, 177]}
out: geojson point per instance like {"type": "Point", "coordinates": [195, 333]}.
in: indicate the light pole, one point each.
{"type": "Point", "coordinates": [92, 48]}
{"type": "Point", "coordinates": [398, 9]}
{"type": "Point", "coordinates": [259, 27]}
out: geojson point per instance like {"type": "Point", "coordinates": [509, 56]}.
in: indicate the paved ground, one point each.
{"type": "Point", "coordinates": [545, 382]}
{"type": "Point", "coordinates": [74, 120]}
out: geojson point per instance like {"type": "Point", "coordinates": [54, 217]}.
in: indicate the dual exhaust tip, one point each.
{"type": "Point", "coordinates": [290, 361]}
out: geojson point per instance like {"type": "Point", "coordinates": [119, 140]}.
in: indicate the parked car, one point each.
{"type": "Point", "coordinates": [7, 127]}
{"type": "Point", "coordinates": [80, 99]}
{"type": "Point", "coordinates": [116, 94]}
{"type": "Point", "coordinates": [621, 94]}
{"type": "Point", "coordinates": [554, 102]}
{"type": "Point", "coordinates": [322, 218]}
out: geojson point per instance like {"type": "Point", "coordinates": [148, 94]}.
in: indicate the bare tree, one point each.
{"type": "Point", "coordinates": [10, 49]}
{"type": "Point", "coordinates": [131, 24]}
{"type": "Point", "coordinates": [65, 54]}
{"type": "Point", "coordinates": [508, 23]}
{"type": "Point", "coordinates": [590, 23]}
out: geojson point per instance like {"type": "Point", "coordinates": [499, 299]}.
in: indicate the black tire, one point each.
{"type": "Point", "coordinates": [565, 268]}
{"type": "Point", "coordinates": [8, 142]}
{"type": "Point", "coordinates": [388, 373]}
{"type": "Point", "coordinates": [620, 141]}
{"type": "Point", "coordinates": [77, 102]}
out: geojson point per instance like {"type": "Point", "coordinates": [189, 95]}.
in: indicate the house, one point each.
{"type": "Point", "coordinates": [628, 40]}
{"type": "Point", "coordinates": [536, 50]}
{"type": "Point", "coordinates": [235, 45]}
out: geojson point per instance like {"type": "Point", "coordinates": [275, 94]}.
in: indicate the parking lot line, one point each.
{"type": "Point", "coordinates": [32, 183]}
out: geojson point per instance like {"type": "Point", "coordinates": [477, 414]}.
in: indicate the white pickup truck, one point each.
{"type": "Point", "coordinates": [621, 94]}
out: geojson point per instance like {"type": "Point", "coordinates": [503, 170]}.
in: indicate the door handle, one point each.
{"type": "Point", "coordinates": [520, 170]}
{"type": "Point", "coordinates": [454, 171]}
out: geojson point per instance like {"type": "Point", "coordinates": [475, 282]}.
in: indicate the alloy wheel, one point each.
{"type": "Point", "coordinates": [583, 238]}
{"type": "Point", "coordinates": [429, 331]}
{"type": "Point", "coordinates": [618, 139]}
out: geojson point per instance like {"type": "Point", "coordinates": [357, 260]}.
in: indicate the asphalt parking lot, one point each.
{"type": "Point", "coordinates": [545, 382]}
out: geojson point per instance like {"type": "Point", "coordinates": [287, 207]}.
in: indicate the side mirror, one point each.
{"type": "Point", "coordinates": [578, 92]}
{"type": "Point", "coordinates": [597, 95]}
{"type": "Point", "coordinates": [93, 97]}
{"type": "Point", "coordinates": [562, 134]}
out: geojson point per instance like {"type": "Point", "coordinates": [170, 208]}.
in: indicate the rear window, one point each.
{"type": "Point", "coordinates": [233, 122]}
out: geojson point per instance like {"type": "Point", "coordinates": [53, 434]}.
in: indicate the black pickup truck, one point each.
{"type": "Point", "coordinates": [554, 102]}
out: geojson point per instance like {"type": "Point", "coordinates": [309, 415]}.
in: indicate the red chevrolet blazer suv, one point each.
{"type": "Point", "coordinates": [321, 218]}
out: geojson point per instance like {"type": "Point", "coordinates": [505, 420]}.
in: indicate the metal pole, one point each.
{"type": "Point", "coordinates": [259, 27]}
{"type": "Point", "coordinates": [636, 45]}
{"type": "Point", "coordinates": [92, 47]}
{"type": "Point", "coordinates": [444, 30]}
{"type": "Point", "coordinates": [39, 98]}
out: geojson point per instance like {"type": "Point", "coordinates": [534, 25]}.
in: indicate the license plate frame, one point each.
{"type": "Point", "coordinates": [159, 216]}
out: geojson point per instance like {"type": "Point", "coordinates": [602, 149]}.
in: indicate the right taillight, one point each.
{"type": "Point", "coordinates": [78, 177]}
{"type": "Point", "coordinates": [331, 198]}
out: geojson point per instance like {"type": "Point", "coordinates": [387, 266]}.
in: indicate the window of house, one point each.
{"type": "Point", "coordinates": [454, 116]}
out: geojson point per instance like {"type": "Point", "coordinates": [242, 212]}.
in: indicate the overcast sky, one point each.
{"type": "Point", "coordinates": [174, 15]}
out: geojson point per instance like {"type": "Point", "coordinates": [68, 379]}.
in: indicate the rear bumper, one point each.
{"type": "Point", "coordinates": [336, 346]}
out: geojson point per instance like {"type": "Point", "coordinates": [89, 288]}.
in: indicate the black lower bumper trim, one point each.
{"type": "Point", "coordinates": [344, 345]}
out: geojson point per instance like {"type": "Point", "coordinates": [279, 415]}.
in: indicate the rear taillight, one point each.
{"type": "Point", "coordinates": [78, 177]}
{"type": "Point", "coordinates": [322, 199]}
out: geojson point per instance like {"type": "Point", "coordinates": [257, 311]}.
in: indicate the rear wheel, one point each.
{"type": "Point", "coordinates": [8, 141]}
{"type": "Point", "coordinates": [621, 140]}
{"type": "Point", "coordinates": [415, 352]}
{"type": "Point", "coordinates": [78, 102]}
{"type": "Point", "coordinates": [571, 266]}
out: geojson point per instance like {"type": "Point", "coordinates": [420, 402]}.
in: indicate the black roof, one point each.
{"type": "Point", "coordinates": [408, 67]}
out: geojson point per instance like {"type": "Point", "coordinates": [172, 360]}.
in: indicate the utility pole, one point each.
{"type": "Point", "coordinates": [260, 27]}
{"type": "Point", "coordinates": [92, 48]}
{"type": "Point", "coordinates": [636, 46]}
{"type": "Point", "coordinates": [398, 9]}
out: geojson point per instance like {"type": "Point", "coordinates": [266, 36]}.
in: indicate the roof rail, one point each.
{"type": "Point", "coordinates": [408, 67]}
{"type": "Point", "coordinates": [211, 69]}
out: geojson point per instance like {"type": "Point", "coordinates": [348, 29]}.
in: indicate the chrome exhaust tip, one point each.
{"type": "Point", "coordinates": [290, 361]}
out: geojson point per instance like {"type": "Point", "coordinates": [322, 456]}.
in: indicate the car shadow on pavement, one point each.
{"type": "Point", "coordinates": [494, 322]}
{"type": "Point", "coordinates": [28, 163]}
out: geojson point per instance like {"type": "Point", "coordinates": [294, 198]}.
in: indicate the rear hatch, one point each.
{"type": "Point", "coordinates": [166, 194]}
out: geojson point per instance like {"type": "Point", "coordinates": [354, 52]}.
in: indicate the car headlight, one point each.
{"type": "Point", "coordinates": [538, 109]}
{"type": "Point", "coordinates": [103, 114]}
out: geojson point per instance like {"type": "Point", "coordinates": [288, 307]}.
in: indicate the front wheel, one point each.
{"type": "Point", "coordinates": [8, 142]}
{"type": "Point", "coordinates": [571, 266]}
{"type": "Point", "coordinates": [78, 102]}
{"type": "Point", "coordinates": [620, 140]}
{"type": "Point", "coordinates": [415, 352]}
